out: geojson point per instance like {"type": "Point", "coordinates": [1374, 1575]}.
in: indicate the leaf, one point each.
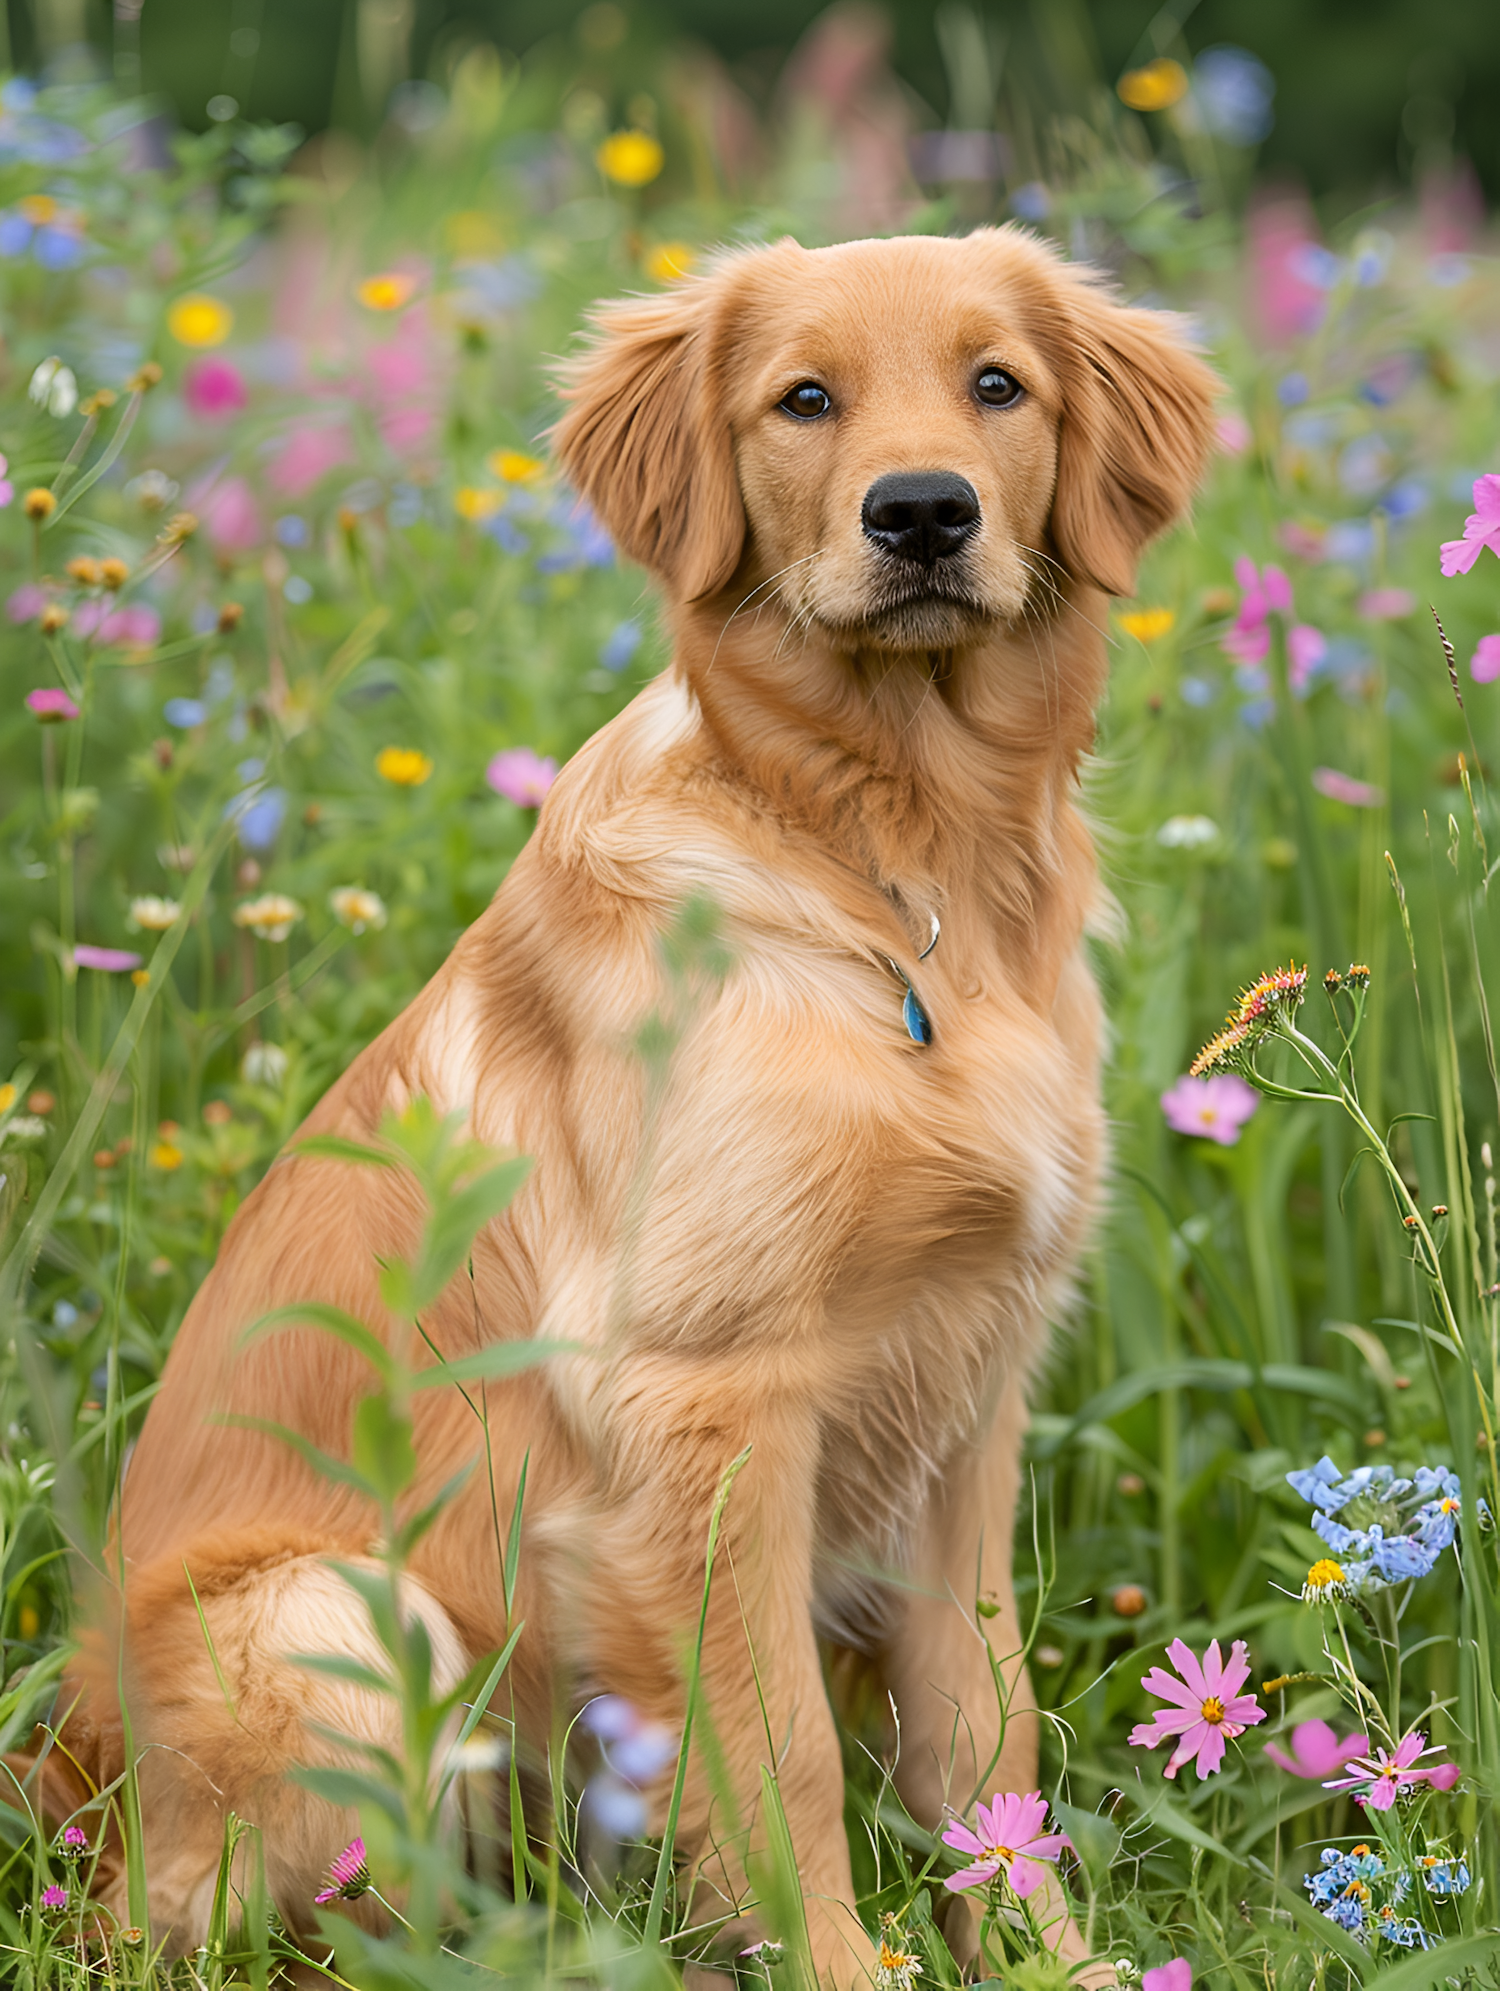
{"type": "Point", "coordinates": [322, 1463]}
{"type": "Point", "coordinates": [1096, 1840]}
{"type": "Point", "coordinates": [513, 1541]}
{"type": "Point", "coordinates": [1374, 1350]}
{"type": "Point", "coordinates": [349, 1788]}
{"type": "Point", "coordinates": [332, 1320]}
{"type": "Point", "coordinates": [1212, 1373]}
{"type": "Point", "coordinates": [411, 1532]}
{"type": "Point", "coordinates": [1162, 1812]}
{"type": "Point", "coordinates": [501, 1358]}
{"type": "Point", "coordinates": [1436, 1966]}
{"type": "Point", "coordinates": [339, 1668]}
{"type": "Point", "coordinates": [1316, 1924]}
{"type": "Point", "coordinates": [1360, 1154]}
{"type": "Point", "coordinates": [334, 1147]}
{"type": "Point", "coordinates": [383, 1448]}
{"type": "Point", "coordinates": [458, 1220]}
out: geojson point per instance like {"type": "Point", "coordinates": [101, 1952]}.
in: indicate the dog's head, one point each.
{"type": "Point", "coordinates": [905, 438]}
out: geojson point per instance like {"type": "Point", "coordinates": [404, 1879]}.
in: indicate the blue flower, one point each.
{"type": "Point", "coordinates": [184, 712]}
{"type": "Point", "coordinates": [1407, 1934]}
{"type": "Point", "coordinates": [1401, 1558]}
{"type": "Point", "coordinates": [1315, 1483]}
{"type": "Point", "coordinates": [1443, 1877]}
{"type": "Point", "coordinates": [620, 645]}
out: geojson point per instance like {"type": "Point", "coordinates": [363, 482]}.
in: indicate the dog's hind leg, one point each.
{"type": "Point", "coordinates": [221, 1712]}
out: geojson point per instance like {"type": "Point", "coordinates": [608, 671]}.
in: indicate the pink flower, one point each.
{"type": "Point", "coordinates": [521, 776]}
{"type": "Point", "coordinates": [307, 456]}
{"type": "Point", "coordinates": [1386, 604]}
{"type": "Point", "coordinates": [1316, 1750]}
{"type": "Point", "coordinates": [230, 515]}
{"type": "Point", "coordinates": [54, 1897]}
{"type": "Point", "coordinates": [109, 960]}
{"type": "Point", "coordinates": [1287, 304]}
{"type": "Point", "coordinates": [137, 625]}
{"type": "Point", "coordinates": [1008, 1842]}
{"type": "Point", "coordinates": [214, 389]}
{"type": "Point", "coordinates": [1234, 434]}
{"type": "Point", "coordinates": [1484, 665]}
{"type": "Point", "coordinates": [50, 704]}
{"type": "Point", "coordinates": [1344, 788]}
{"type": "Point", "coordinates": [1207, 1706]}
{"type": "Point", "coordinates": [1481, 529]}
{"type": "Point", "coordinates": [348, 1875]}
{"type": "Point", "coordinates": [1249, 637]}
{"type": "Point", "coordinates": [1382, 1775]}
{"type": "Point", "coordinates": [1174, 1976]}
{"type": "Point", "coordinates": [1306, 648]}
{"type": "Point", "coordinates": [1305, 541]}
{"type": "Point", "coordinates": [1214, 1109]}
{"type": "Point", "coordinates": [7, 489]}
{"type": "Point", "coordinates": [27, 603]}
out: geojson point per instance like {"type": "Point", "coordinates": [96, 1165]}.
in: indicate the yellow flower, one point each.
{"type": "Point", "coordinates": [38, 209]}
{"type": "Point", "coordinates": [84, 571]}
{"type": "Point", "coordinates": [669, 261]}
{"type": "Point", "coordinates": [386, 292]}
{"type": "Point", "coordinates": [114, 574]}
{"type": "Point", "coordinates": [470, 502]}
{"type": "Point", "coordinates": [153, 914]}
{"type": "Point", "coordinates": [7, 1098]}
{"type": "Point", "coordinates": [407, 767]}
{"type": "Point", "coordinates": [1147, 624]}
{"type": "Point", "coordinates": [166, 1154]}
{"type": "Point", "coordinates": [272, 915]}
{"type": "Point", "coordinates": [1156, 87]}
{"type": "Point", "coordinates": [28, 1624]}
{"type": "Point", "coordinates": [141, 977]}
{"type": "Point", "coordinates": [39, 503]}
{"type": "Point", "coordinates": [514, 467]}
{"type": "Point", "coordinates": [630, 158]}
{"type": "Point", "coordinates": [1325, 1579]}
{"type": "Point", "coordinates": [197, 320]}
{"type": "Point", "coordinates": [355, 907]}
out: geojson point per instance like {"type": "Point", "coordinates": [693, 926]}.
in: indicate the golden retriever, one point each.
{"type": "Point", "coordinates": [886, 488]}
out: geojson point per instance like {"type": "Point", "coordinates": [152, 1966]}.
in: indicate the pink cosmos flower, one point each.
{"type": "Point", "coordinates": [1286, 303]}
{"type": "Point", "coordinates": [521, 776]}
{"type": "Point", "coordinates": [1377, 1778]}
{"type": "Point", "coordinates": [1316, 1751]}
{"type": "Point", "coordinates": [1009, 1842]}
{"type": "Point", "coordinates": [1484, 665]}
{"type": "Point", "coordinates": [109, 960]}
{"type": "Point", "coordinates": [50, 705]}
{"type": "Point", "coordinates": [1233, 433]}
{"type": "Point", "coordinates": [1481, 529]}
{"type": "Point", "coordinates": [1174, 1976]}
{"type": "Point", "coordinates": [1344, 788]}
{"type": "Point", "coordinates": [1386, 604]}
{"type": "Point", "coordinates": [1306, 648]}
{"type": "Point", "coordinates": [1206, 1706]}
{"type": "Point", "coordinates": [7, 489]}
{"type": "Point", "coordinates": [1261, 593]}
{"type": "Point", "coordinates": [54, 1897]}
{"type": "Point", "coordinates": [307, 456]}
{"type": "Point", "coordinates": [348, 1875]}
{"type": "Point", "coordinates": [214, 389]}
{"type": "Point", "coordinates": [230, 515]}
{"type": "Point", "coordinates": [27, 603]}
{"type": "Point", "coordinates": [1214, 1109]}
{"type": "Point", "coordinates": [1307, 542]}
{"type": "Point", "coordinates": [137, 624]}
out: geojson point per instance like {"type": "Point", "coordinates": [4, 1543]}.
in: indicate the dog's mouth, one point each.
{"type": "Point", "coordinates": [917, 608]}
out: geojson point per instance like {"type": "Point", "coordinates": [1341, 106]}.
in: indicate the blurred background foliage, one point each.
{"type": "Point", "coordinates": [1368, 94]}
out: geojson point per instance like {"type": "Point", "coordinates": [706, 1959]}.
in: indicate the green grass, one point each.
{"type": "Point", "coordinates": [1246, 1308]}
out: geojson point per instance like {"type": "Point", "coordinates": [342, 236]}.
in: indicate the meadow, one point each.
{"type": "Point", "coordinates": [298, 626]}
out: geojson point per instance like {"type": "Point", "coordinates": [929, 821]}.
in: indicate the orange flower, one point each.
{"type": "Point", "coordinates": [1156, 87]}
{"type": "Point", "coordinates": [386, 292]}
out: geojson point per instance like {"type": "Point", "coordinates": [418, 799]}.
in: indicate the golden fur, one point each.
{"type": "Point", "coordinates": [849, 1244]}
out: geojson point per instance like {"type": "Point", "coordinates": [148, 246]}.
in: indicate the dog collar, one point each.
{"type": "Point", "coordinates": [913, 1015]}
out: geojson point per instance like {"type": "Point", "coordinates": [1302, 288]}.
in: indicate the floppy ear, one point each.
{"type": "Point", "coordinates": [644, 441]}
{"type": "Point", "coordinates": [1137, 425]}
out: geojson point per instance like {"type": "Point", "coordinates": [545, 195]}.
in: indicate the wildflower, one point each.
{"type": "Point", "coordinates": [113, 574]}
{"type": "Point", "coordinates": [214, 389]}
{"type": "Point", "coordinates": [1343, 1889]}
{"type": "Point", "coordinates": [1215, 1108]}
{"type": "Point", "coordinates": [8, 1097]}
{"type": "Point", "coordinates": [180, 526]}
{"type": "Point", "coordinates": [407, 767]}
{"type": "Point", "coordinates": [1386, 604]}
{"type": "Point", "coordinates": [1405, 1933]}
{"type": "Point", "coordinates": [153, 490]}
{"type": "Point", "coordinates": [1188, 833]}
{"type": "Point", "coordinates": [1306, 648]}
{"type": "Point", "coordinates": [474, 503]}
{"type": "Point", "coordinates": [348, 1875]}
{"type": "Point", "coordinates": [198, 320]}
{"type": "Point", "coordinates": [7, 489]}
{"type": "Point", "coordinates": [1484, 665]}
{"type": "Point", "coordinates": [1174, 1976]}
{"type": "Point", "coordinates": [1481, 529]}
{"type": "Point", "coordinates": [620, 645]}
{"type": "Point", "coordinates": [26, 1127]}
{"type": "Point", "coordinates": [521, 776]}
{"type": "Point", "coordinates": [39, 504]}
{"type": "Point", "coordinates": [896, 1965]}
{"type": "Point", "coordinates": [141, 977]}
{"type": "Point", "coordinates": [54, 1898]}
{"type": "Point", "coordinates": [1128, 1601]}
{"type": "Point", "coordinates": [1009, 1844]}
{"type": "Point", "coordinates": [51, 705]}
{"type": "Point", "coordinates": [154, 914]}
{"type": "Point", "coordinates": [145, 377]}
{"type": "Point", "coordinates": [1248, 640]}
{"type": "Point", "coordinates": [1380, 1776]}
{"type": "Point", "coordinates": [1443, 1876]}
{"type": "Point", "coordinates": [513, 467]}
{"type": "Point", "coordinates": [1146, 624]}
{"type": "Point", "coordinates": [1233, 433]}
{"type": "Point", "coordinates": [1155, 87]}
{"type": "Point", "coordinates": [669, 262]}
{"type": "Point", "coordinates": [1316, 1751]}
{"type": "Point", "coordinates": [52, 620]}
{"type": "Point", "coordinates": [108, 960]}
{"type": "Point", "coordinates": [1207, 1706]}
{"type": "Point", "coordinates": [73, 1842]}
{"type": "Point", "coordinates": [630, 158]}
{"type": "Point", "coordinates": [1223, 1051]}
{"type": "Point", "coordinates": [1325, 1581]}
{"type": "Point", "coordinates": [1383, 1529]}
{"type": "Point", "coordinates": [96, 404]}
{"type": "Point", "coordinates": [356, 908]}
{"type": "Point", "coordinates": [387, 292]}
{"type": "Point", "coordinates": [54, 387]}
{"type": "Point", "coordinates": [272, 916]}
{"type": "Point", "coordinates": [265, 1064]}
{"type": "Point", "coordinates": [84, 571]}
{"type": "Point", "coordinates": [635, 1750]}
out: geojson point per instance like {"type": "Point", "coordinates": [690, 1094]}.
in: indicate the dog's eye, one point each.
{"type": "Point", "coordinates": [807, 401]}
{"type": "Point", "coordinates": [997, 389]}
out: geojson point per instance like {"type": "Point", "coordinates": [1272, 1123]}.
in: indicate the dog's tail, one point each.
{"type": "Point", "coordinates": [219, 1712]}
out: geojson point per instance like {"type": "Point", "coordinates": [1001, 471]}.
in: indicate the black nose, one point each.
{"type": "Point", "coordinates": [921, 515]}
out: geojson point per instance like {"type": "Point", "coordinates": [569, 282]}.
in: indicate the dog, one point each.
{"type": "Point", "coordinates": [886, 489]}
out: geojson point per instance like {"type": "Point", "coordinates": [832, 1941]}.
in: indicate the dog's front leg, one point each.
{"type": "Point", "coordinates": [762, 1700]}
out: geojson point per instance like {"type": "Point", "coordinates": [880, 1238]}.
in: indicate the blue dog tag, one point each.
{"type": "Point", "coordinates": [918, 1023]}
